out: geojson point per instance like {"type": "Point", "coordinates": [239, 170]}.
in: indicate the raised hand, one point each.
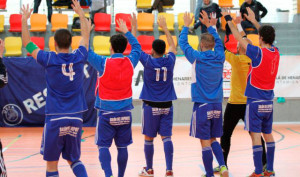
{"type": "Point", "coordinates": [213, 19]}
{"type": "Point", "coordinates": [76, 7]}
{"type": "Point", "coordinates": [204, 20]}
{"type": "Point", "coordinates": [251, 15]}
{"type": "Point", "coordinates": [122, 26]}
{"type": "Point", "coordinates": [162, 22]}
{"type": "Point", "coordinates": [1, 47]}
{"type": "Point", "coordinates": [26, 12]}
{"type": "Point", "coordinates": [133, 20]}
{"type": "Point", "coordinates": [238, 19]}
{"type": "Point", "coordinates": [188, 20]}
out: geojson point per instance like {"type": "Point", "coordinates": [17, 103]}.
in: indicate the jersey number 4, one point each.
{"type": "Point", "coordinates": [69, 74]}
{"type": "Point", "coordinates": [165, 70]}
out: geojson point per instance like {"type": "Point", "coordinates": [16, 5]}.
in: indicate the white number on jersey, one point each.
{"type": "Point", "coordinates": [69, 74]}
{"type": "Point", "coordinates": [158, 73]}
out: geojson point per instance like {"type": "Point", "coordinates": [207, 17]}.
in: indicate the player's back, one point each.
{"type": "Point", "coordinates": [207, 77]}
{"type": "Point", "coordinates": [158, 78]}
{"type": "Point", "coordinates": [64, 77]}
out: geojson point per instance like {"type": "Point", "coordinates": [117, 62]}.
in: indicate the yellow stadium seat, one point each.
{"type": "Point", "coordinates": [101, 45]}
{"type": "Point", "coordinates": [38, 22]}
{"type": "Point", "coordinates": [1, 23]}
{"type": "Point", "coordinates": [181, 22]}
{"type": "Point", "coordinates": [169, 20]}
{"type": "Point", "coordinates": [59, 21]}
{"type": "Point", "coordinates": [145, 21]}
{"type": "Point", "coordinates": [75, 42]}
{"type": "Point", "coordinates": [164, 38]}
{"type": "Point", "coordinates": [225, 3]}
{"type": "Point", "coordinates": [254, 39]}
{"type": "Point", "coordinates": [143, 4]}
{"type": "Point", "coordinates": [13, 46]}
{"type": "Point", "coordinates": [52, 44]}
{"type": "Point", "coordinates": [87, 15]}
{"type": "Point", "coordinates": [193, 41]}
{"type": "Point", "coordinates": [241, 2]}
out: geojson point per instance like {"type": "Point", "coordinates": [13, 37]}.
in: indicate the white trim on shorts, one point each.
{"type": "Point", "coordinates": [69, 118]}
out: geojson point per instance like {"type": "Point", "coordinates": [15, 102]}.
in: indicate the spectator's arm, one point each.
{"type": "Point", "coordinates": [263, 9]}
{"type": "Point", "coordinates": [30, 47]}
{"type": "Point", "coordinates": [85, 24]}
{"type": "Point", "coordinates": [218, 11]}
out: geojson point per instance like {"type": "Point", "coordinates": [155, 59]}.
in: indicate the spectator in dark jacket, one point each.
{"type": "Point", "coordinates": [209, 7]}
{"type": "Point", "coordinates": [3, 82]}
{"type": "Point", "coordinates": [49, 5]}
{"type": "Point", "coordinates": [158, 4]}
{"type": "Point", "coordinates": [256, 7]}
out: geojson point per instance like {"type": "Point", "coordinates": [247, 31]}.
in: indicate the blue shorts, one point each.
{"type": "Point", "coordinates": [206, 121]}
{"type": "Point", "coordinates": [259, 116]}
{"type": "Point", "coordinates": [62, 135]}
{"type": "Point", "coordinates": [157, 120]}
{"type": "Point", "coordinates": [114, 125]}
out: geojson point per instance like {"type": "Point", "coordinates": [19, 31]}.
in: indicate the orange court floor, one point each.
{"type": "Point", "coordinates": [22, 158]}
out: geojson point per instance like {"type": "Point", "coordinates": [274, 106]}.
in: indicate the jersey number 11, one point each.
{"type": "Point", "coordinates": [165, 70]}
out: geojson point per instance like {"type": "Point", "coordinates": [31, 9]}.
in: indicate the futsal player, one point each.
{"type": "Point", "coordinates": [3, 82]}
{"type": "Point", "coordinates": [259, 90]}
{"type": "Point", "coordinates": [236, 106]}
{"type": "Point", "coordinates": [207, 90]}
{"type": "Point", "coordinates": [65, 96]}
{"type": "Point", "coordinates": [157, 94]}
{"type": "Point", "coordinates": [114, 97]}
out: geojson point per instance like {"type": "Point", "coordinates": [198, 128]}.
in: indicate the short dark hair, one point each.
{"type": "Point", "coordinates": [267, 32]}
{"type": "Point", "coordinates": [118, 43]}
{"type": "Point", "coordinates": [208, 40]}
{"type": "Point", "coordinates": [159, 46]}
{"type": "Point", "coordinates": [63, 38]}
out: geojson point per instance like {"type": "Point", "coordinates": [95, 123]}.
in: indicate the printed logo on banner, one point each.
{"type": "Point", "coordinates": [12, 114]}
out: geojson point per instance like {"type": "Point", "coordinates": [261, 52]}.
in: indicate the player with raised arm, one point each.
{"type": "Point", "coordinates": [65, 96]}
{"type": "Point", "coordinates": [259, 90]}
{"type": "Point", "coordinates": [236, 106]}
{"type": "Point", "coordinates": [207, 91]}
{"type": "Point", "coordinates": [114, 98]}
{"type": "Point", "coordinates": [157, 94]}
{"type": "Point", "coordinates": [3, 82]}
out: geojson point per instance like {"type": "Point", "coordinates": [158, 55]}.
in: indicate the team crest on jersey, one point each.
{"type": "Point", "coordinates": [12, 114]}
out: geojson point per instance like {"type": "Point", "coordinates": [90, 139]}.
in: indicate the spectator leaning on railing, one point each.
{"type": "Point", "coordinates": [256, 7]}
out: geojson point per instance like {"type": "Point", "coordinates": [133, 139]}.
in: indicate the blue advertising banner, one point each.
{"type": "Point", "coordinates": [23, 100]}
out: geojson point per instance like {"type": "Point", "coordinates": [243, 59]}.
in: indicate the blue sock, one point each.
{"type": "Point", "coordinates": [168, 148]}
{"type": "Point", "coordinates": [270, 155]}
{"type": "Point", "coordinates": [52, 174]}
{"type": "Point", "coordinates": [105, 159]}
{"type": "Point", "coordinates": [79, 169]}
{"type": "Point", "coordinates": [216, 147]}
{"type": "Point", "coordinates": [207, 158]}
{"type": "Point", "coordinates": [149, 152]}
{"type": "Point", "coordinates": [257, 158]}
{"type": "Point", "coordinates": [122, 160]}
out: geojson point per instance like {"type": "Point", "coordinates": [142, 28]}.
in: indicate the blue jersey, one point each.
{"type": "Point", "coordinates": [64, 77]}
{"type": "Point", "coordinates": [255, 54]}
{"type": "Point", "coordinates": [99, 63]}
{"type": "Point", "coordinates": [207, 76]}
{"type": "Point", "coordinates": [158, 78]}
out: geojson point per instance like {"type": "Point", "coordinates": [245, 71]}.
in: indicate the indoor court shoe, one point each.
{"type": "Point", "coordinates": [268, 173]}
{"type": "Point", "coordinates": [256, 175]}
{"type": "Point", "coordinates": [145, 172]}
{"type": "Point", "coordinates": [217, 169]}
{"type": "Point", "coordinates": [224, 172]}
{"type": "Point", "coordinates": [169, 173]}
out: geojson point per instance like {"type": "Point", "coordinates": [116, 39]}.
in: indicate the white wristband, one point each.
{"type": "Point", "coordinates": [239, 27]}
{"type": "Point", "coordinates": [215, 27]}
